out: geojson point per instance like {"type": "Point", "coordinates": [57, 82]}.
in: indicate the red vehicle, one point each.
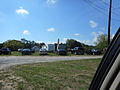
{"type": "Point", "coordinates": [78, 51]}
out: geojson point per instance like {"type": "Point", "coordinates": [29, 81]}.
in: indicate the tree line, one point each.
{"type": "Point", "coordinates": [14, 45]}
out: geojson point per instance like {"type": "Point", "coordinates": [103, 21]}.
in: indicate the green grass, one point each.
{"type": "Point", "coordinates": [15, 53]}
{"type": "Point", "coordinates": [62, 75]}
{"type": "Point", "coordinates": [36, 54]}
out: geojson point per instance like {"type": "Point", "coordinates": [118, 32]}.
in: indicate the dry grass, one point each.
{"type": "Point", "coordinates": [63, 75]}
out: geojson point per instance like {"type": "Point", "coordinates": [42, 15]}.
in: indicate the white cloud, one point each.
{"type": "Point", "coordinates": [77, 34]}
{"type": "Point", "coordinates": [26, 32]}
{"type": "Point", "coordinates": [22, 11]}
{"type": "Point", "coordinates": [51, 29]}
{"type": "Point", "coordinates": [51, 1]}
{"type": "Point", "coordinates": [96, 34]}
{"type": "Point", "coordinates": [100, 32]}
{"type": "Point", "coordinates": [88, 42]}
{"type": "Point", "coordinates": [1, 42]}
{"type": "Point", "coordinates": [93, 24]}
{"type": "Point", "coordinates": [39, 41]}
{"type": "Point", "coordinates": [64, 40]}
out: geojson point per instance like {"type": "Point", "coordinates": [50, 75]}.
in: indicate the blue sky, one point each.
{"type": "Point", "coordinates": [48, 20]}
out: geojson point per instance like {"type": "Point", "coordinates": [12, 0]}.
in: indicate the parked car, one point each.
{"type": "Point", "coordinates": [26, 52]}
{"type": "Point", "coordinates": [43, 51]}
{"type": "Point", "coordinates": [61, 52]}
{"type": "Point", "coordinates": [5, 51]}
{"type": "Point", "coordinates": [78, 50]}
{"type": "Point", "coordinates": [94, 52]}
{"type": "Point", "coordinates": [20, 50]}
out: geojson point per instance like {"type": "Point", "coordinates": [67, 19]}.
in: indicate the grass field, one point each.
{"type": "Point", "coordinates": [35, 54]}
{"type": "Point", "coordinates": [15, 53]}
{"type": "Point", "coordinates": [62, 75]}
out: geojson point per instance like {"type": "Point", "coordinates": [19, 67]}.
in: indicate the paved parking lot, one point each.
{"type": "Point", "coordinates": [7, 61]}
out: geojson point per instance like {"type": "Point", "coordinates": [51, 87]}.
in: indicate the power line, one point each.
{"type": "Point", "coordinates": [103, 9]}
{"type": "Point", "coordinates": [100, 9]}
{"type": "Point", "coordinates": [109, 5]}
{"type": "Point", "coordinates": [94, 7]}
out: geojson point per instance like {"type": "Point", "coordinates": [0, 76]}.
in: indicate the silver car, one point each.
{"type": "Point", "coordinates": [43, 51]}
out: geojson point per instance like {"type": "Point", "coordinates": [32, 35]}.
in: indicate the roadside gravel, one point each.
{"type": "Point", "coordinates": [7, 61]}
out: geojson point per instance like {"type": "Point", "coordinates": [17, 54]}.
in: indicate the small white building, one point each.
{"type": "Point", "coordinates": [50, 47]}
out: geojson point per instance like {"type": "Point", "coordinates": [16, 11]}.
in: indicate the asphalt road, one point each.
{"type": "Point", "coordinates": [7, 61]}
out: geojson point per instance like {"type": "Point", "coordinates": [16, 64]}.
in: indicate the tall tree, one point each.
{"type": "Point", "coordinates": [88, 47]}
{"type": "Point", "coordinates": [1, 45]}
{"type": "Point", "coordinates": [13, 44]}
{"type": "Point", "coordinates": [29, 44]}
{"type": "Point", "coordinates": [71, 43]}
{"type": "Point", "coordinates": [101, 42]}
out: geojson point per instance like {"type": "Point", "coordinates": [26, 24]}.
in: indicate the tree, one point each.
{"type": "Point", "coordinates": [41, 44]}
{"type": "Point", "coordinates": [13, 44]}
{"type": "Point", "coordinates": [101, 42]}
{"type": "Point", "coordinates": [88, 47]}
{"type": "Point", "coordinates": [23, 40]}
{"type": "Point", "coordinates": [29, 44]}
{"type": "Point", "coordinates": [71, 43]}
{"type": "Point", "coordinates": [1, 45]}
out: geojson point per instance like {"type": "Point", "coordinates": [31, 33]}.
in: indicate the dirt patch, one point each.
{"type": "Point", "coordinates": [8, 81]}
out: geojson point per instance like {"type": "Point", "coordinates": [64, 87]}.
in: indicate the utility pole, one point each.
{"type": "Point", "coordinates": [109, 21]}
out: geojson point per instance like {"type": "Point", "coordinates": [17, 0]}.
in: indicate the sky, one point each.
{"type": "Point", "coordinates": [48, 20]}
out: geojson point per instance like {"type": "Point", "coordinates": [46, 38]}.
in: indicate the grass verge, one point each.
{"type": "Point", "coordinates": [62, 75]}
{"type": "Point", "coordinates": [15, 53]}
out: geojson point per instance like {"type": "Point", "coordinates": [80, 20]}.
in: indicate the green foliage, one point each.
{"type": "Point", "coordinates": [101, 42]}
{"type": "Point", "coordinates": [1, 45]}
{"type": "Point", "coordinates": [88, 47]}
{"type": "Point", "coordinates": [30, 44]}
{"type": "Point", "coordinates": [71, 43]}
{"type": "Point", "coordinates": [13, 44]}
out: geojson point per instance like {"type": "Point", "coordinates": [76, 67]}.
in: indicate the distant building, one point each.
{"type": "Point", "coordinates": [50, 47]}
{"type": "Point", "coordinates": [56, 46]}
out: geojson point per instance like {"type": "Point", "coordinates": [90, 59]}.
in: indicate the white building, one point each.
{"type": "Point", "coordinates": [50, 47]}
